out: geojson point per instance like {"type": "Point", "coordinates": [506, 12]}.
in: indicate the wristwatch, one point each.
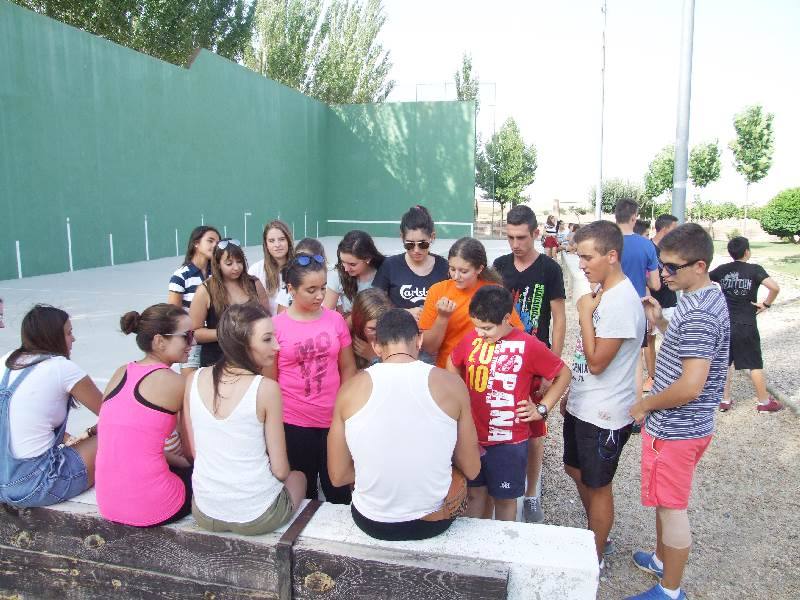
{"type": "Point", "coordinates": [542, 410]}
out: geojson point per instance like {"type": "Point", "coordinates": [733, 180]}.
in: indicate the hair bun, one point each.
{"type": "Point", "coordinates": [129, 322]}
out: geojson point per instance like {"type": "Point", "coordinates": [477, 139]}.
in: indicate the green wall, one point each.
{"type": "Point", "coordinates": [103, 135]}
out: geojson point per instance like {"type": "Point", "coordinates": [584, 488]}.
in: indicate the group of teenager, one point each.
{"type": "Point", "coordinates": [415, 388]}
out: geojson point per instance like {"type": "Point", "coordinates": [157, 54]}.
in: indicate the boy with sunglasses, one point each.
{"type": "Point", "coordinates": [740, 281]}
{"type": "Point", "coordinates": [679, 414]}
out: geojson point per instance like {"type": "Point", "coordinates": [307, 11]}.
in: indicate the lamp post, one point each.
{"type": "Point", "coordinates": [247, 214]}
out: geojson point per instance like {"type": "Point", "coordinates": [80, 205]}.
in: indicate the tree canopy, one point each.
{"type": "Point", "coordinates": [754, 144]}
{"type": "Point", "coordinates": [704, 164]}
{"type": "Point", "coordinates": [506, 166]}
{"type": "Point", "coordinates": [615, 189]}
{"type": "Point", "coordinates": [658, 178]}
{"type": "Point", "coordinates": [467, 82]}
{"type": "Point", "coordinates": [170, 31]}
{"type": "Point", "coordinates": [781, 215]}
{"type": "Point", "coordinates": [333, 55]}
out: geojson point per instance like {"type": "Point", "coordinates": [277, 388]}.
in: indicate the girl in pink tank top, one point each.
{"type": "Point", "coordinates": [135, 485]}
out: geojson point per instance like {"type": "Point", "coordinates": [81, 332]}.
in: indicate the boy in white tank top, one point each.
{"type": "Point", "coordinates": [408, 427]}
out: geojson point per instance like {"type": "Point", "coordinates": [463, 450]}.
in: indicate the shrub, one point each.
{"type": "Point", "coordinates": [733, 233]}
{"type": "Point", "coordinates": [781, 216]}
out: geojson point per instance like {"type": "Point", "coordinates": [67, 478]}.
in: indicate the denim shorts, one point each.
{"type": "Point", "coordinates": [58, 475]}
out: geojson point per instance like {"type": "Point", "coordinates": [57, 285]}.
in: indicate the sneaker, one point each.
{"type": "Point", "coordinates": [610, 547]}
{"type": "Point", "coordinates": [644, 560]}
{"type": "Point", "coordinates": [725, 405]}
{"type": "Point", "coordinates": [771, 406]}
{"type": "Point", "coordinates": [656, 593]}
{"type": "Point", "coordinates": [532, 511]}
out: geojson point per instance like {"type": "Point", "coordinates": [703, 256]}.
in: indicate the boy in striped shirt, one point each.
{"type": "Point", "coordinates": [679, 414]}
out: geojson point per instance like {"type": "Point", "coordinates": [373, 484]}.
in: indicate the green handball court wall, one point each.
{"type": "Point", "coordinates": [103, 135]}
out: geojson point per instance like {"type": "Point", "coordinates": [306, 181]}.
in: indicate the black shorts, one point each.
{"type": "Point", "coordinates": [503, 469]}
{"type": "Point", "coordinates": [745, 347]}
{"type": "Point", "coordinates": [593, 450]}
{"type": "Point", "coordinates": [405, 530]}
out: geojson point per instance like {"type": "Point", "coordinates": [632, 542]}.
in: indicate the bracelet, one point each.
{"type": "Point", "coordinates": [765, 305]}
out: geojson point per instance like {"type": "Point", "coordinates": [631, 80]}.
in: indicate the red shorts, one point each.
{"type": "Point", "coordinates": [551, 241]}
{"type": "Point", "coordinates": [667, 470]}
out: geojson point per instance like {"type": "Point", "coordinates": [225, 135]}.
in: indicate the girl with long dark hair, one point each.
{"type": "Point", "coordinates": [358, 261]}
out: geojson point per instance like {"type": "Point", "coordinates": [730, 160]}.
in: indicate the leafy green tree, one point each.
{"type": "Point", "coordinates": [754, 145]}
{"type": "Point", "coordinates": [781, 215]}
{"type": "Point", "coordinates": [704, 163]}
{"type": "Point", "coordinates": [467, 82]}
{"type": "Point", "coordinates": [170, 30]}
{"type": "Point", "coordinates": [333, 54]}
{"type": "Point", "coordinates": [613, 191]}
{"type": "Point", "coordinates": [658, 178]}
{"type": "Point", "coordinates": [506, 166]}
{"type": "Point", "coordinates": [711, 212]}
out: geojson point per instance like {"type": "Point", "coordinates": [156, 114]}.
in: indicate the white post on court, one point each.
{"type": "Point", "coordinates": [202, 219]}
{"type": "Point", "coordinates": [146, 241]}
{"type": "Point", "coordinates": [293, 235]}
{"type": "Point", "coordinates": [305, 223]}
{"type": "Point", "coordinates": [111, 247]}
{"type": "Point", "coordinates": [247, 214]}
{"type": "Point", "coordinates": [69, 243]}
{"type": "Point", "coordinates": [19, 262]}
{"type": "Point", "coordinates": [177, 252]}
{"type": "Point", "coordinates": [224, 231]}
{"type": "Point", "coordinates": [317, 229]}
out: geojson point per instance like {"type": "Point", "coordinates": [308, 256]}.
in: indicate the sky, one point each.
{"type": "Point", "coordinates": [539, 62]}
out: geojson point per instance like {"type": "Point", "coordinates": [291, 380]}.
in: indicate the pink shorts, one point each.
{"type": "Point", "coordinates": [667, 469]}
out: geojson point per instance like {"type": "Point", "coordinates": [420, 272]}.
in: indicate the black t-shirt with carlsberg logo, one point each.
{"type": "Point", "coordinates": [740, 281]}
{"type": "Point", "coordinates": [405, 288]}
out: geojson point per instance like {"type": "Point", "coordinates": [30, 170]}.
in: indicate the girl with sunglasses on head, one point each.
{"type": "Point", "coordinates": [196, 268]}
{"type": "Point", "coordinates": [445, 317]}
{"type": "Point", "coordinates": [407, 277]}
{"type": "Point", "coordinates": [358, 262]}
{"type": "Point", "coordinates": [367, 309]}
{"type": "Point", "coordinates": [136, 484]}
{"type": "Point", "coordinates": [234, 424]}
{"type": "Point", "coordinates": [38, 386]}
{"type": "Point", "coordinates": [314, 358]}
{"type": "Point", "coordinates": [278, 251]}
{"type": "Point", "coordinates": [229, 284]}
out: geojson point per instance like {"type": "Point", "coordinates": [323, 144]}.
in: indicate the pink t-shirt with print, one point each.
{"type": "Point", "coordinates": [308, 366]}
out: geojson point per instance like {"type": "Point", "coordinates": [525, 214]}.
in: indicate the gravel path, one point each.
{"type": "Point", "coordinates": [746, 498]}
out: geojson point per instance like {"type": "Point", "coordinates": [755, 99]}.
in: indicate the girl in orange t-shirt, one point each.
{"type": "Point", "coordinates": [445, 316]}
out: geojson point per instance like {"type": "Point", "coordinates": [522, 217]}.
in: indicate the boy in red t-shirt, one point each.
{"type": "Point", "coordinates": [499, 365]}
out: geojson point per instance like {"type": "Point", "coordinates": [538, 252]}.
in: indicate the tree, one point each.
{"type": "Point", "coordinates": [658, 178]}
{"type": "Point", "coordinates": [781, 215]}
{"type": "Point", "coordinates": [467, 82]}
{"type": "Point", "coordinates": [170, 31]}
{"type": "Point", "coordinates": [506, 166]}
{"type": "Point", "coordinates": [711, 213]}
{"type": "Point", "coordinates": [613, 191]}
{"type": "Point", "coordinates": [334, 56]}
{"type": "Point", "coordinates": [754, 145]}
{"type": "Point", "coordinates": [704, 164]}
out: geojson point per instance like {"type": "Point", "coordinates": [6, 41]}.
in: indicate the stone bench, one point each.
{"type": "Point", "coordinates": [69, 551]}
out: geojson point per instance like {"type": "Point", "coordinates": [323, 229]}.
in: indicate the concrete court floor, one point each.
{"type": "Point", "coordinates": [96, 298]}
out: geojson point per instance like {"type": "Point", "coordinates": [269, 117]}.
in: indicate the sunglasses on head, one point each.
{"type": "Point", "coordinates": [188, 336]}
{"type": "Point", "coordinates": [672, 268]}
{"type": "Point", "coordinates": [305, 259]}
{"type": "Point", "coordinates": [423, 245]}
{"type": "Point", "coordinates": [222, 244]}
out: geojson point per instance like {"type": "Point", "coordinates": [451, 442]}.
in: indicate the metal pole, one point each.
{"type": "Point", "coordinates": [224, 231]}
{"type": "Point", "coordinates": [146, 241]}
{"type": "Point", "coordinates": [679, 175]}
{"type": "Point", "coordinates": [598, 197]}
{"type": "Point", "coordinates": [202, 219]}
{"type": "Point", "coordinates": [177, 251]}
{"type": "Point", "coordinates": [19, 262]}
{"type": "Point", "coordinates": [305, 223]}
{"type": "Point", "coordinates": [247, 214]}
{"type": "Point", "coordinates": [317, 229]}
{"type": "Point", "coordinates": [69, 243]}
{"type": "Point", "coordinates": [111, 247]}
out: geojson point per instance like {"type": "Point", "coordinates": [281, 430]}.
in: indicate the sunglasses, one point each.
{"type": "Point", "coordinates": [423, 245]}
{"type": "Point", "coordinates": [672, 268]}
{"type": "Point", "coordinates": [305, 259]}
{"type": "Point", "coordinates": [188, 336]}
{"type": "Point", "coordinates": [222, 244]}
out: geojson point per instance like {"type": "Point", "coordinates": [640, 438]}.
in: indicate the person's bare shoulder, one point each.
{"type": "Point", "coordinates": [354, 393]}
{"type": "Point", "coordinates": [448, 391]}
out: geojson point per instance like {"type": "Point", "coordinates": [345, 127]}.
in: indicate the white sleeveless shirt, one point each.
{"type": "Point", "coordinates": [232, 480]}
{"type": "Point", "coordinates": [402, 445]}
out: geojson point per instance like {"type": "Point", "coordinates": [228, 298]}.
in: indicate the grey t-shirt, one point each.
{"type": "Point", "coordinates": [605, 399]}
{"type": "Point", "coordinates": [335, 284]}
